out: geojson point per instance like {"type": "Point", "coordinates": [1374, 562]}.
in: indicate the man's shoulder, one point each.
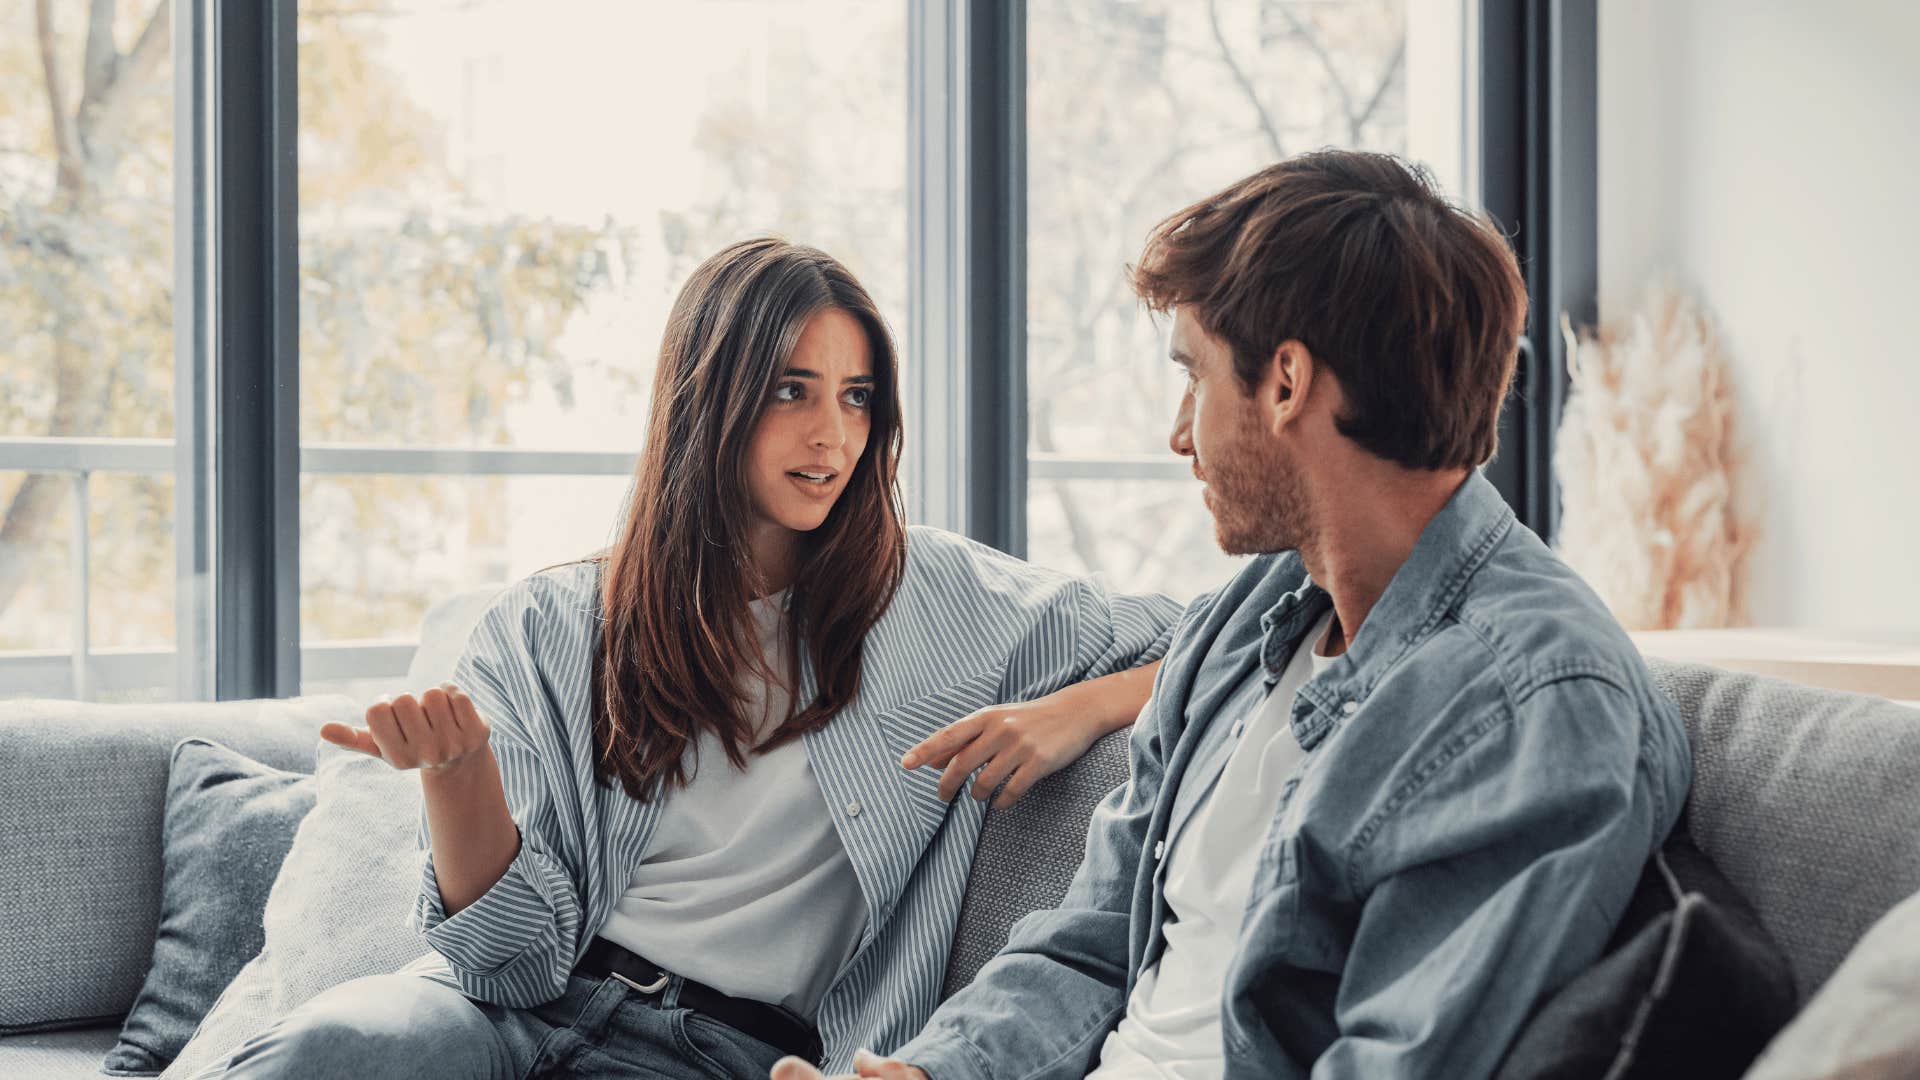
{"type": "Point", "coordinates": [1529, 619]}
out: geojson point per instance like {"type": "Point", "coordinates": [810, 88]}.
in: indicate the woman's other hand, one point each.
{"type": "Point", "coordinates": [1018, 744]}
{"type": "Point", "coordinates": [438, 730]}
{"type": "Point", "coordinates": [866, 1065]}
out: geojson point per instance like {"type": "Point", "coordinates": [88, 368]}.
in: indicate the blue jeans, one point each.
{"type": "Point", "coordinates": [406, 1026]}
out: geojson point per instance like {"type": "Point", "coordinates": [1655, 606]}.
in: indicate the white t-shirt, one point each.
{"type": "Point", "coordinates": [1171, 1030]}
{"type": "Point", "coordinates": [746, 885]}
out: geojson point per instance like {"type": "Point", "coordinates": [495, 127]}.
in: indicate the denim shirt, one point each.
{"type": "Point", "coordinates": [1486, 769]}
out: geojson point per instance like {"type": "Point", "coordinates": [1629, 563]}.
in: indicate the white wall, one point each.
{"type": "Point", "coordinates": [1764, 153]}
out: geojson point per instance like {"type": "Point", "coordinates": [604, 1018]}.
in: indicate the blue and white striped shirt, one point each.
{"type": "Point", "coordinates": [970, 627]}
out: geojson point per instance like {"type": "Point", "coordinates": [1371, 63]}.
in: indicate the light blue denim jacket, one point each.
{"type": "Point", "coordinates": [1487, 768]}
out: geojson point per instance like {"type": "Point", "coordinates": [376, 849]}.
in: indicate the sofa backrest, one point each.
{"type": "Point", "coordinates": [82, 790]}
{"type": "Point", "coordinates": [1808, 800]}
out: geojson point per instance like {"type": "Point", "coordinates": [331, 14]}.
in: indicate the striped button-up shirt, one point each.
{"type": "Point", "coordinates": [969, 627]}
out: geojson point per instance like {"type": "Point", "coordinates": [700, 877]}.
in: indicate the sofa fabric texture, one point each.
{"type": "Point", "coordinates": [1866, 1021]}
{"type": "Point", "coordinates": [1807, 800]}
{"type": "Point", "coordinates": [82, 793]}
{"type": "Point", "coordinates": [228, 823]}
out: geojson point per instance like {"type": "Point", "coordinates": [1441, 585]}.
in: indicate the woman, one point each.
{"type": "Point", "coordinates": [670, 829]}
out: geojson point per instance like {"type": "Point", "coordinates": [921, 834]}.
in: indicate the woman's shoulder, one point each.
{"type": "Point", "coordinates": [555, 605]}
{"type": "Point", "coordinates": [966, 570]}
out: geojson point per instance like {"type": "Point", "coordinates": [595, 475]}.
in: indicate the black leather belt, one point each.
{"type": "Point", "coordinates": [771, 1024]}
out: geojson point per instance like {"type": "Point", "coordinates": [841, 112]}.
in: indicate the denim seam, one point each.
{"type": "Point", "coordinates": [1106, 1024]}
{"type": "Point", "coordinates": [1413, 786]}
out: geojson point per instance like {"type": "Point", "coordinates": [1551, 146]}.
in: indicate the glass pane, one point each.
{"type": "Point", "coordinates": [86, 348]}
{"type": "Point", "coordinates": [1135, 110]}
{"type": "Point", "coordinates": [1141, 535]}
{"type": "Point", "coordinates": [498, 200]}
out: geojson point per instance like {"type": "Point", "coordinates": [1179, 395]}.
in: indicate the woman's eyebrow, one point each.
{"type": "Point", "coordinates": [851, 380]}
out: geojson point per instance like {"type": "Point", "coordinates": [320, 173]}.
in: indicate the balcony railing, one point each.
{"type": "Point", "coordinates": [85, 672]}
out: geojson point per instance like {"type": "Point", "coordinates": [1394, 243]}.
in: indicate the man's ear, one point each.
{"type": "Point", "coordinates": [1282, 394]}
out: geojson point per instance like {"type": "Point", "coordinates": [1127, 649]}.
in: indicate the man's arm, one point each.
{"type": "Point", "coordinates": [1493, 885]}
{"type": "Point", "coordinates": [1043, 1005]}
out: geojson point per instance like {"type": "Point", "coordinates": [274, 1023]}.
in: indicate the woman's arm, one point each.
{"type": "Point", "coordinates": [1020, 743]}
{"type": "Point", "coordinates": [440, 733]}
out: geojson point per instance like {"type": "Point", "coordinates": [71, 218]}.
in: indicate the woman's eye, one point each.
{"type": "Point", "coordinates": [860, 397]}
{"type": "Point", "coordinates": [788, 391]}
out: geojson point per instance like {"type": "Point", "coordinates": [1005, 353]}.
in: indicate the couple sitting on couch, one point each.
{"type": "Point", "coordinates": [1394, 782]}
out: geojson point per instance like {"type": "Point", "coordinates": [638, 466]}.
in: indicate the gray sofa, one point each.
{"type": "Point", "coordinates": [1808, 800]}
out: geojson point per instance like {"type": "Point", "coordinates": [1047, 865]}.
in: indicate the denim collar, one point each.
{"type": "Point", "coordinates": [1422, 591]}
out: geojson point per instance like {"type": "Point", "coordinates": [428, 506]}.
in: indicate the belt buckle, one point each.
{"type": "Point", "coordinates": [653, 987]}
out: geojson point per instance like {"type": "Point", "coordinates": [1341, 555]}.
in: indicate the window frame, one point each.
{"type": "Point", "coordinates": [1532, 98]}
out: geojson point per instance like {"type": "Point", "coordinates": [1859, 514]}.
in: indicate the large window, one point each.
{"type": "Point", "coordinates": [498, 201]}
{"type": "Point", "coordinates": [493, 204]}
{"type": "Point", "coordinates": [87, 423]}
{"type": "Point", "coordinates": [1135, 110]}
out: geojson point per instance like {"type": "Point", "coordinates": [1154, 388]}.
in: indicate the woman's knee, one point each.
{"type": "Point", "coordinates": [398, 1025]}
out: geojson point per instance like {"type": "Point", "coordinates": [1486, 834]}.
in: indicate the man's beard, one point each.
{"type": "Point", "coordinates": [1258, 502]}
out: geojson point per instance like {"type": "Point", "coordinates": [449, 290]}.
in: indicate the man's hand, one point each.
{"type": "Point", "coordinates": [866, 1066]}
{"type": "Point", "coordinates": [439, 729]}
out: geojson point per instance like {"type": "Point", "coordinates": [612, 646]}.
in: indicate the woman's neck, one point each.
{"type": "Point", "coordinates": [776, 555]}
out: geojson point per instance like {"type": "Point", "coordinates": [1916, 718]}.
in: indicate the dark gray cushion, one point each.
{"type": "Point", "coordinates": [1689, 986]}
{"type": "Point", "coordinates": [229, 821]}
{"type": "Point", "coordinates": [81, 792]}
{"type": "Point", "coordinates": [1028, 853]}
{"type": "Point", "coordinates": [1807, 800]}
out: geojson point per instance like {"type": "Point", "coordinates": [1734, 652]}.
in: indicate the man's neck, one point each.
{"type": "Point", "coordinates": [1358, 544]}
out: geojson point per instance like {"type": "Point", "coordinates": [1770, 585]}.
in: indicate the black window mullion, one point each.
{"type": "Point", "coordinates": [1538, 160]}
{"type": "Point", "coordinates": [996, 273]}
{"type": "Point", "coordinates": [254, 283]}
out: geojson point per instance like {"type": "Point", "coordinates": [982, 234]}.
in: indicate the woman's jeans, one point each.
{"type": "Point", "coordinates": [406, 1026]}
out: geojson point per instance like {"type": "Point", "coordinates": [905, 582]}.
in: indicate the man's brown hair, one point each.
{"type": "Point", "coordinates": [1414, 304]}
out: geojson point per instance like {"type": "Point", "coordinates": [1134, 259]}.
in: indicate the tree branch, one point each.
{"type": "Point", "coordinates": [131, 74]}
{"type": "Point", "coordinates": [1246, 84]}
{"type": "Point", "coordinates": [101, 60]}
{"type": "Point", "coordinates": [66, 144]}
{"type": "Point", "coordinates": [1380, 91]}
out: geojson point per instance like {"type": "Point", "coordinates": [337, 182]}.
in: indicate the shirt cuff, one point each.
{"type": "Point", "coordinates": [945, 1055]}
{"type": "Point", "coordinates": [515, 915]}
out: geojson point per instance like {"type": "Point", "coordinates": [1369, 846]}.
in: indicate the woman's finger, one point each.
{"type": "Point", "coordinates": [351, 737]}
{"type": "Point", "coordinates": [385, 731]}
{"type": "Point", "coordinates": [998, 769]}
{"type": "Point", "coordinates": [1016, 786]}
{"type": "Point", "coordinates": [471, 725]}
{"type": "Point", "coordinates": [936, 748]}
{"type": "Point", "coordinates": [970, 757]}
{"type": "Point", "coordinates": [412, 722]}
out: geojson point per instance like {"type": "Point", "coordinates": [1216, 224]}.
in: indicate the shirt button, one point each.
{"type": "Point", "coordinates": [853, 809]}
{"type": "Point", "coordinates": [1350, 708]}
{"type": "Point", "coordinates": [1159, 850]}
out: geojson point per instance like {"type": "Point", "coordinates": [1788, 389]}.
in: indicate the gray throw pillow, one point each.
{"type": "Point", "coordinates": [228, 823]}
{"type": "Point", "coordinates": [339, 909]}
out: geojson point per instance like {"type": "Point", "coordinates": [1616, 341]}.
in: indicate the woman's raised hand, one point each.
{"type": "Point", "coordinates": [439, 729]}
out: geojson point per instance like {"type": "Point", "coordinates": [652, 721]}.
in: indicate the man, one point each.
{"type": "Point", "coordinates": [1398, 777]}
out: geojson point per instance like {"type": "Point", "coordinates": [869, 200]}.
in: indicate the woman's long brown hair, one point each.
{"type": "Point", "coordinates": [675, 588]}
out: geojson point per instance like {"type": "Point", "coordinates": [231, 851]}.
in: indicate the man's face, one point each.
{"type": "Point", "coordinates": [1253, 486]}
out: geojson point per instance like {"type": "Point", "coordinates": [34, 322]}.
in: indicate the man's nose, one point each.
{"type": "Point", "coordinates": [1180, 440]}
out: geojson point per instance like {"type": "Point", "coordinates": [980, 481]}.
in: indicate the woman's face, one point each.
{"type": "Point", "coordinates": [810, 435]}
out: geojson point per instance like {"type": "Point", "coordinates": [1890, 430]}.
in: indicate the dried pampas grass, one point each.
{"type": "Point", "coordinates": [1647, 464]}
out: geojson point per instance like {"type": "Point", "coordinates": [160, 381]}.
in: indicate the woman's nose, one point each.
{"type": "Point", "coordinates": [829, 430]}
